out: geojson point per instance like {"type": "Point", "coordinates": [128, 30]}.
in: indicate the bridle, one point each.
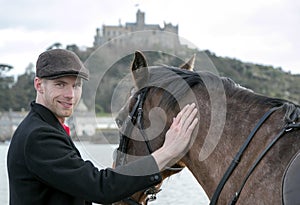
{"type": "Point", "coordinates": [290, 125]}
{"type": "Point", "coordinates": [135, 117]}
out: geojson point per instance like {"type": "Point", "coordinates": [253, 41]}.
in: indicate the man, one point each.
{"type": "Point", "coordinates": [44, 166]}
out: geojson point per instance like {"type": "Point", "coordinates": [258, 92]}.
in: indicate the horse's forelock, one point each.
{"type": "Point", "coordinates": [175, 82]}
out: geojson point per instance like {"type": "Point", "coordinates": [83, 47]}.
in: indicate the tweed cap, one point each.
{"type": "Point", "coordinates": [58, 63]}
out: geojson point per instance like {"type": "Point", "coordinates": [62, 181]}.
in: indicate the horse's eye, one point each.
{"type": "Point", "coordinates": [119, 122]}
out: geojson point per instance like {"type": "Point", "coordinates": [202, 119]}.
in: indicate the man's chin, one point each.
{"type": "Point", "coordinates": [67, 113]}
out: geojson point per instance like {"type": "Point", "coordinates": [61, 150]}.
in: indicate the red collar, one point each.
{"type": "Point", "coordinates": [67, 129]}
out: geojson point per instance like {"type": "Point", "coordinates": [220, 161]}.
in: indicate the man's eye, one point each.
{"type": "Point", "coordinates": [78, 85]}
{"type": "Point", "coordinates": [61, 85]}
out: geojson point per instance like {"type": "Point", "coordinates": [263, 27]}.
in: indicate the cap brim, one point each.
{"type": "Point", "coordinates": [79, 75]}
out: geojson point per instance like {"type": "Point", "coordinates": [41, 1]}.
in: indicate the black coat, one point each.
{"type": "Point", "coordinates": [44, 167]}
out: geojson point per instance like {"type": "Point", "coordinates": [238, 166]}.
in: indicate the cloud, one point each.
{"type": "Point", "coordinates": [264, 32]}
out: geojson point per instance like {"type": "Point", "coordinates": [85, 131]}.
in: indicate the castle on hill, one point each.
{"type": "Point", "coordinates": [111, 32]}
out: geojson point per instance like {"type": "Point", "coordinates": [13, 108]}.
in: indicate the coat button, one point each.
{"type": "Point", "coordinates": [154, 178]}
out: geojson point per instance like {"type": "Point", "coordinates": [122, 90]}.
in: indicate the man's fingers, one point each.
{"type": "Point", "coordinates": [191, 127]}
{"type": "Point", "coordinates": [189, 116]}
{"type": "Point", "coordinates": [179, 115]}
{"type": "Point", "coordinates": [185, 117]}
{"type": "Point", "coordinates": [185, 112]}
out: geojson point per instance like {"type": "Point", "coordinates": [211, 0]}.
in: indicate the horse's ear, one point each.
{"type": "Point", "coordinates": [189, 65]}
{"type": "Point", "coordinates": [139, 69]}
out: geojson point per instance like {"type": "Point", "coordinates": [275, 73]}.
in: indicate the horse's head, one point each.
{"type": "Point", "coordinates": [146, 117]}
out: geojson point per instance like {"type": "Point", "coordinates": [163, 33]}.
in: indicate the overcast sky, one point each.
{"type": "Point", "coordinates": [258, 31]}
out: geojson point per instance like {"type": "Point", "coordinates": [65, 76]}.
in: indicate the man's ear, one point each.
{"type": "Point", "coordinates": [38, 85]}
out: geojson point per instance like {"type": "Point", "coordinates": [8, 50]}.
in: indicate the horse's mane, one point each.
{"type": "Point", "coordinates": [178, 82]}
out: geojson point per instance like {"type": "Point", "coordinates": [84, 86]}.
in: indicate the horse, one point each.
{"type": "Point", "coordinates": [245, 149]}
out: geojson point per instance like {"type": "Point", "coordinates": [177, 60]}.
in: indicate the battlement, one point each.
{"type": "Point", "coordinates": [109, 32]}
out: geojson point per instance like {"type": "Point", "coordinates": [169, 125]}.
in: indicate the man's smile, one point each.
{"type": "Point", "coordinates": [67, 105]}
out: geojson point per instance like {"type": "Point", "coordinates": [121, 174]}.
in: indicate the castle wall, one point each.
{"type": "Point", "coordinates": [110, 32]}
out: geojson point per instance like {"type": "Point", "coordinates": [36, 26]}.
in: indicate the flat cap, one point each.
{"type": "Point", "coordinates": [58, 63]}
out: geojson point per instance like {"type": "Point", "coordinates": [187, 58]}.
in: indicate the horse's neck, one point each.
{"type": "Point", "coordinates": [210, 156]}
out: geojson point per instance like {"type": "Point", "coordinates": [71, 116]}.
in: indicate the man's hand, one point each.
{"type": "Point", "coordinates": [177, 137]}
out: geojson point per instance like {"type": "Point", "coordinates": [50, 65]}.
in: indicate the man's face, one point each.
{"type": "Point", "coordinates": [61, 95]}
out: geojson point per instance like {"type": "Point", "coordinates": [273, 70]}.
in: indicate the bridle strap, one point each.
{"type": "Point", "coordinates": [238, 156]}
{"type": "Point", "coordinates": [140, 125]}
{"type": "Point", "coordinates": [140, 122]}
{"type": "Point", "coordinates": [127, 129]}
{"type": "Point", "coordinates": [128, 126]}
{"type": "Point", "coordinates": [137, 115]}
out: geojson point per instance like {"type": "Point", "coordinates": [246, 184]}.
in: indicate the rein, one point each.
{"type": "Point", "coordinates": [288, 127]}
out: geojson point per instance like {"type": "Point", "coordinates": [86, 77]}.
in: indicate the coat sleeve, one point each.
{"type": "Point", "coordinates": [55, 162]}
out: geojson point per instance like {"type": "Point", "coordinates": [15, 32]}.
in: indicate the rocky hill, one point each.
{"type": "Point", "coordinates": [262, 79]}
{"type": "Point", "coordinates": [266, 80]}
{"type": "Point", "coordinates": [107, 74]}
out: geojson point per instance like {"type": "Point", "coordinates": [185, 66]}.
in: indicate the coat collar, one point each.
{"type": "Point", "coordinates": [46, 115]}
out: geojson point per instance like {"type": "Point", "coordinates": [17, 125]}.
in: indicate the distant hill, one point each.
{"type": "Point", "coordinates": [266, 80]}
{"type": "Point", "coordinates": [262, 79]}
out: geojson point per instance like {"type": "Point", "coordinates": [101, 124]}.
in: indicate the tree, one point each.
{"type": "Point", "coordinates": [54, 45]}
{"type": "Point", "coordinates": [23, 90]}
{"type": "Point", "coordinates": [5, 84]}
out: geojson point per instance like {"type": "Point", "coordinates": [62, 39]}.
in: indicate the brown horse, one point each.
{"type": "Point", "coordinates": [254, 137]}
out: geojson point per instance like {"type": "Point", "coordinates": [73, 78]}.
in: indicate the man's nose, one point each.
{"type": "Point", "coordinates": [69, 92]}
